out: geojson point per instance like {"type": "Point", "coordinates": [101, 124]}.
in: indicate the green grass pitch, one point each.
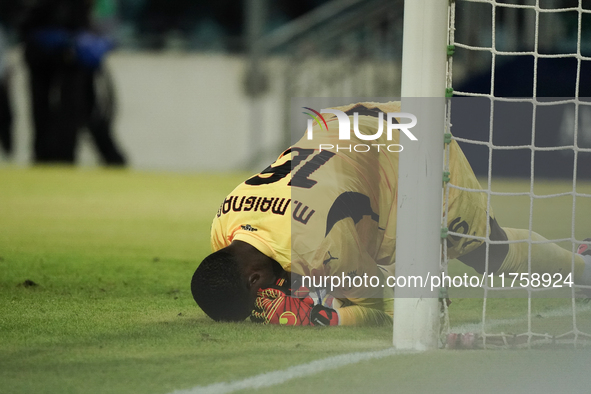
{"type": "Point", "coordinates": [95, 268]}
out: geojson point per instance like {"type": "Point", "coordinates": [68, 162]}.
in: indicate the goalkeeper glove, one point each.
{"type": "Point", "coordinates": [274, 305]}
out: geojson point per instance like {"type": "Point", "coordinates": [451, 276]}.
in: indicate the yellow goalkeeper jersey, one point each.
{"type": "Point", "coordinates": [325, 212]}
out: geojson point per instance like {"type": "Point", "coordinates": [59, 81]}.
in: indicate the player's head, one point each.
{"type": "Point", "coordinates": [226, 282]}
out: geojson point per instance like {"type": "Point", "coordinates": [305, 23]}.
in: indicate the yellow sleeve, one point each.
{"type": "Point", "coordinates": [217, 238]}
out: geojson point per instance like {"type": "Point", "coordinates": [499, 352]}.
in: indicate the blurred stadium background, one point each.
{"type": "Point", "coordinates": [205, 86]}
{"type": "Point", "coordinates": [196, 78]}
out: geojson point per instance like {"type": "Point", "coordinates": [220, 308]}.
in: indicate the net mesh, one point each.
{"type": "Point", "coordinates": [518, 30]}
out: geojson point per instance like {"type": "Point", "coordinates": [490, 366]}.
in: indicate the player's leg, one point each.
{"type": "Point", "coordinates": [100, 117]}
{"type": "Point", "coordinates": [71, 111]}
{"type": "Point", "coordinates": [468, 213]}
{"type": "Point", "coordinates": [5, 118]}
{"type": "Point", "coordinates": [40, 83]}
{"type": "Point", "coordinates": [497, 252]}
{"type": "Point", "coordinates": [546, 257]}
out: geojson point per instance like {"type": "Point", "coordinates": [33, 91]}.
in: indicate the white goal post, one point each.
{"type": "Point", "coordinates": [420, 192]}
{"type": "Point", "coordinates": [542, 42]}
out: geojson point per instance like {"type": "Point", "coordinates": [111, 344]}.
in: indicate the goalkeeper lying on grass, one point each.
{"type": "Point", "coordinates": [320, 213]}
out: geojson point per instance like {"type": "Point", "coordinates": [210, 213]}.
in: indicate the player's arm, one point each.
{"type": "Point", "coordinates": [367, 302]}
{"type": "Point", "coordinates": [366, 312]}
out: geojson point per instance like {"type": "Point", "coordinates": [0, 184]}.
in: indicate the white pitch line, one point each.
{"type": "Point", "coordinates": [268, 379]}
{"type": "Point", "coordinates": [493, 323]}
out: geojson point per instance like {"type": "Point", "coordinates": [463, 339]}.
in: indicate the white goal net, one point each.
{"type": "Point", "coordinates": [521, 72]}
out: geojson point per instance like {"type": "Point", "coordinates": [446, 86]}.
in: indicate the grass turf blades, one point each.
{"type": "Point", "coordinates": [110, 254]}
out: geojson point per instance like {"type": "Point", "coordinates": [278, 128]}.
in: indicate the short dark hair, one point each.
{"type": "Point", "coordinates": [219, 288]}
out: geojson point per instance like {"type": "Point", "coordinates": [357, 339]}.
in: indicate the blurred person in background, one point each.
{"type": "Point", "coordinates": [5, 107]}
{"type": "Point", "coordinates": [101, 91]}
{"type": "Point", "coordinates": [64, 57]}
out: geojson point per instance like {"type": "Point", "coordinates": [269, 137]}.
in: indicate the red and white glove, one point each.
{"type": "Point", "coordinates": [275, 305]}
